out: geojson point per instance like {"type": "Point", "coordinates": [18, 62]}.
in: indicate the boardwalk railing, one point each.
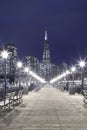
{"type": "Point", "coordinates": [10, 100]}
{"type": "Point", "coordinates": [85, 95]}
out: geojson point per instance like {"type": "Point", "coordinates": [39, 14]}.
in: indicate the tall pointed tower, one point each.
{"type": "Point", "coordinates": [46, 58]}
{"type": "Point", "coordinates": [46, 51]}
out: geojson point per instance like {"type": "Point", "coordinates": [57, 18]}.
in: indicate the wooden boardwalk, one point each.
{"type": "Point", "coordinates": [47, 109]}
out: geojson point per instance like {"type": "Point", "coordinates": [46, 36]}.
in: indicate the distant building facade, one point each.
{"type": "Point", "coordinates": [45, 66]}
{"type": "Point", "coordinates": [32, 62]}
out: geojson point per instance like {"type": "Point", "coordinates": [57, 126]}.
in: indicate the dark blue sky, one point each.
{"type": "Point", "coordinates": [24, 22]}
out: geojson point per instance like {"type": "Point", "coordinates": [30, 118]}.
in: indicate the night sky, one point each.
{"type": "Point", "coordinates": [24, 22]}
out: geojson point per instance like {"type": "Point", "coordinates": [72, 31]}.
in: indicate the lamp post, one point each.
{"type": "Point", "coordinates": [4, 55]}
{"type": "Point", "coordinates": [26, 70]}
{"type": "Point", "coordinates": [26, 88]}
{"type": "Point", "coordinates": [82, 65]}
{"type": "Point", "coordinates": [73, 69]}
{"type": "Point", "coordinates": [67, 83]}
{"type": "Point", "coordinates": [19, 65]}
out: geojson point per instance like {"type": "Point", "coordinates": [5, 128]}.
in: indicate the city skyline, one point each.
{"type": "Point", "coordinates": [24, 23]}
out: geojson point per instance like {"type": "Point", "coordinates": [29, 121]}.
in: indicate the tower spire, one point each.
{"type": "Point", "coordinates": [46, 58]}
{"type": "Point", "coordinates": [46, 38]}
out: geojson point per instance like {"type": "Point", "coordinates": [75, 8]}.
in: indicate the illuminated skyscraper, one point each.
{"type": "Point", "coordinates": [46, 51]}
{"type": "Point", "coordinates": [32, 62]}
{"type": "Point", "coordinates": [46, 64]}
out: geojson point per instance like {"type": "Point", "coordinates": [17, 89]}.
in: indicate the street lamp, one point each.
{"type": "Point", "coordinates": [67, 78]}
{"type": "Point", "coordinates": [82, 65]}
{"type": "Point", "coordinates": [73, 69]}
{"type": "Point", "coordinates": [4, 55]}
{"type": "Point", "coordinates": [67, 72]}
{"type": "Point", "coordinates": [26, 86]}
{"type": "Point", "coordinates": [19, 65]}
{"type": "Point", "coordinates": [26, 69]}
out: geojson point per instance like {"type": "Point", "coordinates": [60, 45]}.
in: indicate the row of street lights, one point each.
{"type": "Point", "coordinates": [5, 55]}
{"type": "Point", "coordinates": [72, 71]}
{"type": "Point", "coordinates": [81, 64]}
